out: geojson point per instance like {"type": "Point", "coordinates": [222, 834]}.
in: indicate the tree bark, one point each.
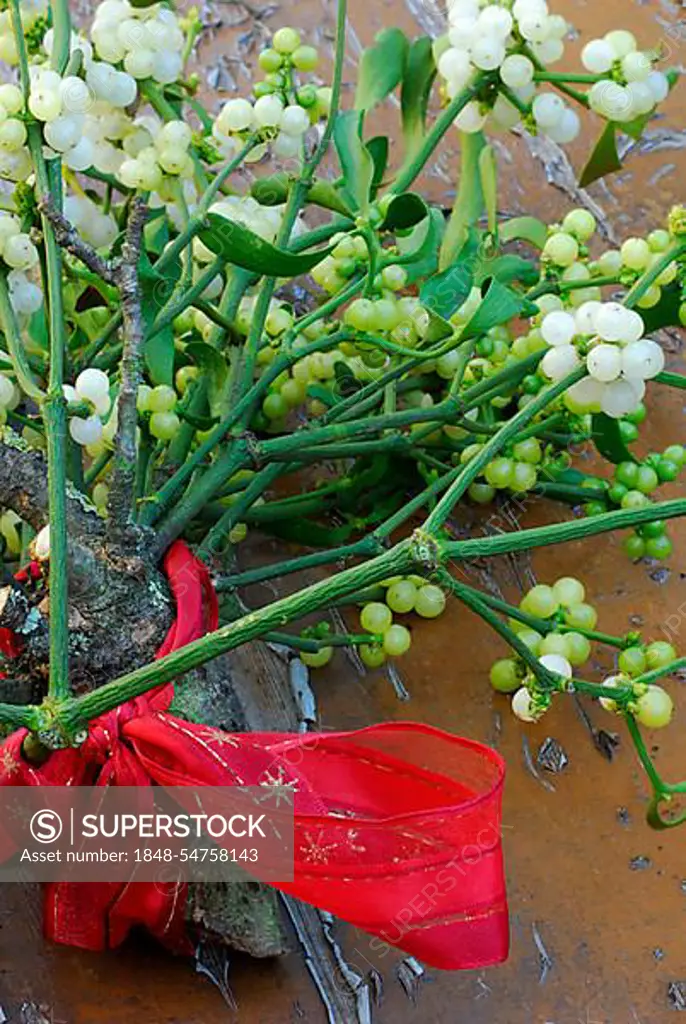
{"type": "Point", "coordinates": [120, 606]}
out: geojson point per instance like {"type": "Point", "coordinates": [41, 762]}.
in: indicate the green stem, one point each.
{"type": "Point", "coordinates": [336, 89]}
{"type": "Point", "coordinates": [91, 475]}
{"type": "Point", "coordinates": [316, 559]}
{"type": "Point", "coordinates": [76, 712]}
{"type": "Point", "coordinates": [17, 715]}
{"type": "Point", "coordinates": [658, 673]}
{"type": "Point", "coordinates": [195, 223]}
{"type": "Point", "coordinates": [560, 533]}
{"type": "Point", "coordinates": [643, 754]}
{"type": "Point", "coordinates": [53, 406]}
{"type": "Point", "coordinates": [549, 287]}
{"type": "Point", "coordinates": [672, 380]}
{"type": "Point", "coordinates": [563, 76]}
{"type": "Point", "coordinates": [61, 26]}
{"type": "Point", "coordinates": [474, 600]}
{"type": "Point", "coordinates": [415, 504]}
{"type": "Point", "coordinates": [409, 171]}
{"type": "Point", "coordinates": [216, 538]}
{"type": "Point", "coordinates": [96, 347]}
{"type": "Point", "coordinates": [296, 198]}
{"type": "Point", "coordinates": [507, 433]}
{"type": "Point", "coordinates": [544, 626]}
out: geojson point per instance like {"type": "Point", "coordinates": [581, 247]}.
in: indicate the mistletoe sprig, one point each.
{"type": "Point", "coordinates": [177, 343]}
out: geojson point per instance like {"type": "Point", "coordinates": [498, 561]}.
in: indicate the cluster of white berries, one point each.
{"type": "Point", "coordinates": [16, 247]}
{"type": "Point", "coordinates": [618, 358]}
{"type": "Point", "coordinates": [239, 117]}
{"type": "Point", "coordinates": [95, 227]}
{"type": "Point", "coordinates": [82, 116]}
{"type": "Point", "coordinates": [634, 257]}
{"type": "Point", "coordinates": [487, 37]}
{"type": "Point", "coordinates": [93, 387]}
{"type": "Point", "coordinates": [25, 295]}
{"type": "Point", "coordinates": [155, 150]}
{"type": "Point", "coordinates": [510, 38]}
{"type": "Point", "coordinates": [61, 104]}
{"type": "Point", "coordinates": [20, 254]}
{"type": "Point", "coordinates": [148, 40]}
{"type": "Point", "coordinates": [31, 11]}
{"type": "Point", "coordinates": [15, 163]}
{"type": "Point", "coordinates": [282, 112]}
{"type": "Point", "coordinates": [641, 87]}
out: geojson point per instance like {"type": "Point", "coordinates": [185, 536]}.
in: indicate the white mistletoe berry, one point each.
{"type": "Point", "coordinates": [559, 361]}
{"type": "Point", "coordinates": [92, 384]}
{"type": "Point", "coordinates": [621, 397]}
{"type": "Point", "coordinates": [40, 545]}
{"type": "Point", "coordinates": [522, 705]}
{"type": "Point", "coordinates": [517, 71]}
{"type": "Point", "coordinates": [85, 431]}
{"type": "Point", "coordinates": [294, 120]}
{"type": "Point", "coordinates": [598, 56]}
{"type": "Point", "coordinates": [556, 663]}
{"type": "Point", "coordinates": [642, 359]}
{"type": "Point", "coordinates": [558, 328]}
{"type": "Point", "coordinates": [604, 362]}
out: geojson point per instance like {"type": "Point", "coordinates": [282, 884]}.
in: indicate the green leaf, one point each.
{"type": "Point", "coordinates": [604, 159]}
{"type": "Point", "coordinates": [571, 477]}
{"type": "Point", "coordinates": [273, 190]}
{"type": "Point", "coordinates": [509, 267]}
{"type": "Point", "coordinates": [468, 205]}
{"type": "Point", "coordinates": [525, 229]}
{"type": "Point", "coordinates": [607, 438]}
{"type": "Point", "coordinates": [405, 211]}
{"type": "Point", "coordinates": [346, 381]}
{"type": "Point", "coordinates": [381, 68]}
{"type": "Point", "coordinates": [306, 531]}
{"type": "Point", "coordinates": [325, 194]}
{"type": "Point", "coordinates": [322, 394]}
{"type": "Point", "coordinates": [156, 232]}
{"type": "Point", "coordinates": [355, 159]}
{"type": "Point", "coordinates": [419, 250]}
{"type": "Point", "coordinates": [88, 321]}
{"type": "Point", "coordinates": [378, 148]}
{"type": "Point", "coordinates": [156, 289]}
{"type": "Point", "coordinates": [38, 329]}
{"type": "Point", "coordinates": [498, 305]}
{"type": "Point", "coordinates": [243, 248]}
{"type": "Point", "coordinates": [438, 329]}
{"type": "Point", "coordinates": [159, 356]}
{"type": "Point", "coordinates": [444, 293]}
{"type": "Point", "coordinates": [216, 372]}
{"type": "Point", "coordinates": [488, 175]}
{"type": "Point", "coordinates": [419, 75]}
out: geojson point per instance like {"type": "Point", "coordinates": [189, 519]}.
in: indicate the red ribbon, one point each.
{"type": "Point", "coordinates": [397, 827]}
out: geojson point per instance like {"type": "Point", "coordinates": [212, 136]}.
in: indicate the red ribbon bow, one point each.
{"type": "Point", "coordinates": [397, 827]}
